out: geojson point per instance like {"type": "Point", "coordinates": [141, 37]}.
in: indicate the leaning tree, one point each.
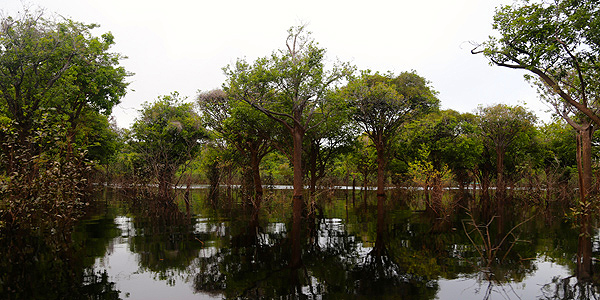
{"type": "Point", "coordinates": [558, 44]}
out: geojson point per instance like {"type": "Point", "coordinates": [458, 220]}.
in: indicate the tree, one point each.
{"type": "Point", "coordinates": [249, 131]}
{"type": "Point", "coordinates": [167, 135]}
{"type": "Point", "coordinates": [500, 126]}
{"type": "Point", "coordinates": [438, 142]}
{"type": "Point", "coordinates": [54, 73]}
{"type": "Point", "coordinates": [383, 103]}
{"type": "Point", "coordinates": [56, 64]}
{"type": "Point", "coordinates": [557, 42]}
{"type": "Point", "coordinates": [289, 87]}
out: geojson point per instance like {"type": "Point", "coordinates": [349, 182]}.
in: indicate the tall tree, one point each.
{"type": "Point", "coordinates": [167, 135]}
{"type": "Point", "coordinates": [289, 87]}
{"type": "Point", "coordinates": [558, 42]}
{"type": "Point", "coordinates": [383, 103]}
{"type": "Point", "coordinates": [500, 126]}
{"type": "Point", "coordinates": [54, 73]}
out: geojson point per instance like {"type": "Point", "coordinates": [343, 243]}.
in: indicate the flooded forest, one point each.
{"type": "Point", "coordinates": [301, 177]}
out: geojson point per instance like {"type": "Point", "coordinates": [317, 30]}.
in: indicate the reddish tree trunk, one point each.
{"type": "Point", "coordinates": [381, 162]}
{"type": "Point", "coordinates": [584, 166]}
{"type": "Point", "coordinates": [500, 185]}
{"type": "Point", "coordinates": [255, 165]}
{"type": "Point", "coordinates": [297, 135]}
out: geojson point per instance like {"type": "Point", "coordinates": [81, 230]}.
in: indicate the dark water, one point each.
{"type": "Point", "coordinates": [225, 249]}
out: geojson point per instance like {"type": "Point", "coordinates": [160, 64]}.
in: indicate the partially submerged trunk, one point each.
{"type": "Point", "coordinates": [381, 164]}
{"type": "Point", "coordinates": [584, 167]}
{"type": "Point", "coordinates": [584, 160]}
{"type": "Point", "coordinates": [297, 135]}
{"type": "Point", "coordinates": [500, 184]}
{"type": "Point", "coordinates": [255, 165]}
{"type": "Point", "coordinates": [165, 185]}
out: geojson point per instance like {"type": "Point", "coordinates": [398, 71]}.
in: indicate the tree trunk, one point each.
{"type": "Point", "coordinates": [500, 185]}
{"type": "Point", "coordinates": [255, 165]}
{"type": "Point", "coordinates": [381, 162]}
{"type": "Point", "coordinates": [164, 186]}
{"type": "Point", "coordinates": [297, 135]}
{"type": "Point", "coordinates": [584, 157]}
{"type": "Point", "coordinates": [584, 166]}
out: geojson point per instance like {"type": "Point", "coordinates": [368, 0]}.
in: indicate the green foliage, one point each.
{"type": "Point", "coordinates": [242, 128]}
{"type": "Point", "coordinates": [99, 137]}
{"type": "Point", "coordinates": [330, 140]}
{"type": "Point", "coordinates": [383, 103]}
{"type": "Point", "coordinates": [362, 161]}
{"type": "Point", "coordinates": [54, 74]}
{"type": "Point", "coordinates": [166, 136]}
{"type": "Point", "coordinates": [448, 136]}
{"type": "Point", "coordinates": [291, 85]}
{"type": "Point", "coordinates": [558, 42]}
{"type": "Point", "coordinates": [423, 171]}
{"type": "Point", "coordinates": [49, 196]}
{"type": "Point", "coordinates": [507, 132]}
{"type": "Point", "coordinates": [56, 64]}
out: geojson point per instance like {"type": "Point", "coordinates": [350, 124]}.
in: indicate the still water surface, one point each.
{"type": "Point", "coordinates": [224, 249]}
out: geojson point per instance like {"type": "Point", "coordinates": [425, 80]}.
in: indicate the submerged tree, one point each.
{"type": "Point", "coordinates": [557, 42]}
{"type": "Point", "coordinates": [328, 142]}
{"type": "Point", "coordinates": [249, 131]}
{"type": "Point", "coordinates": [500, 127]}
{"type": "Point", "coordinates": [289, 87]}
{"type": "Point", "coordinates": [54, 73]}
{"type": "Point", "coordinates": [383, 103]}
{"type": "Point", "coordinates": [167, 135]}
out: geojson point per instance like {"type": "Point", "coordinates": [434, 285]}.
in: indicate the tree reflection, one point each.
{"type": "Point", "coordinates": [164, 238]}
{"type": "Point", "coordinates": [570, 288]}
{"type": "Point", "coordinates": [31, 261]}
{"type": "Point", "coordinates": [384, 250]}
{"type": "Point", "coordinates": [248, 260]}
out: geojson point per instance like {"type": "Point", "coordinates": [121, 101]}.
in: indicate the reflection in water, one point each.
{"type": "Point", "coordinates": [45, 265]}
{"type": "Point", "coordinates": [227, 249]}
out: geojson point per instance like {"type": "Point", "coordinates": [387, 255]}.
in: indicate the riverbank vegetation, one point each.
{"type": "Point", "coordinates": [291, 118]}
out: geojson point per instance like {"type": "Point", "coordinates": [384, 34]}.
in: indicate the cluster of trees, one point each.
{"type": "Point", "coordinates": [334, 126]}
{"type": "Point", "coordinates": [58, 84]}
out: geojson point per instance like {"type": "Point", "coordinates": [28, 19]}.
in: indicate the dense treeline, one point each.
{"type": "Point", "coordinates": [290, 118]}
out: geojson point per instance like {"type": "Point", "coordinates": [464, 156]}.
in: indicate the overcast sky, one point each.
{"type": "Point", "coordinates": [182, 46]}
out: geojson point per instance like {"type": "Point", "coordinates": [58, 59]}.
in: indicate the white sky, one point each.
{"type": "Point", "coordinates": [182, 45]}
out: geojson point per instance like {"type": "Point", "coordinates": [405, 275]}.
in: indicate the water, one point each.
{"type": "Point", "coordinates": [223, 249]}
